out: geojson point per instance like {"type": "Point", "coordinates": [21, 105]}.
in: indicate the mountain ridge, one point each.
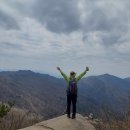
{"type": "Point", "coordinates": [30, 71]}
{"type": "Point", "coordinates": [127, 79]}
{"type": "Point", "coordinates": [46, 95]}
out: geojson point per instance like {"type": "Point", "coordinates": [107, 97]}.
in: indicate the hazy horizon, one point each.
{"type": "Point", "coordinates": [58, 75]}
{"type": "Point", "coordinates": [40, 35]}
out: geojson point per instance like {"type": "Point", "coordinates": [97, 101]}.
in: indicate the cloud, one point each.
{"type": "Point", "coordinates": [43, 34]}
{"type": "Point", "coordinates": [58, 16]}
{"type": "Point", "coordinates": [7, 21]}
{"type": "Point", "coordinates": [110, 18]}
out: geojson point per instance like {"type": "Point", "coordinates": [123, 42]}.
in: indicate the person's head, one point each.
{"type": "Point", "coordinates": [72, 74]}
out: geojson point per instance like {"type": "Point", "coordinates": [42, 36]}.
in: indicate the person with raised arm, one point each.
{"type": "Point", "coordinates": [72, 89]}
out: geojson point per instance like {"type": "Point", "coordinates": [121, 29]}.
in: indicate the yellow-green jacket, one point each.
{"type": "Point", "coordinates": [67, 79]}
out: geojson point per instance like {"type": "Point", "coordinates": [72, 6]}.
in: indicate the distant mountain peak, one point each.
{"type": "Point", "coordinates": [25, 71]}
{"type": "Point", "coordinates": [108, 76]}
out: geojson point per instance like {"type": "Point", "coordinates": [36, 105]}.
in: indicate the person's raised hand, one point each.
{"type": "Point", "coordinates": [87, 68]}
{"type": "Point", "coordinates": [58, 68]}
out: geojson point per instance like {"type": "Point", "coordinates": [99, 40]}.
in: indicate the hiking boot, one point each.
{"type": "Point", "coordinates": [73, 117]}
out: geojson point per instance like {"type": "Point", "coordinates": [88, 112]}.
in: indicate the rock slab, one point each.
{"type": "Point", "coordinates": [63, 123]}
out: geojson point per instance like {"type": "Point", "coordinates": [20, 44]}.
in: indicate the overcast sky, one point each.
{"type": "Point", "coordinates": [42, 34]}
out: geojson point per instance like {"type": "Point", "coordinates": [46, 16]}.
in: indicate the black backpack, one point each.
{"type": "Point", "coordinates": [72, 88]}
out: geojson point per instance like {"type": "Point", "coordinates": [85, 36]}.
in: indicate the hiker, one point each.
{"type": "Point", "coordinates": [72, 89]}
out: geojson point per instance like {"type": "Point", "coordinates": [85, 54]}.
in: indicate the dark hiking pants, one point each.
{"type": "Point", "coordinates": [71, 99]}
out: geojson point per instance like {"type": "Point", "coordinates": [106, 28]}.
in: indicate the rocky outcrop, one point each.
{"type": "Point", "coordinates": [63, 123]}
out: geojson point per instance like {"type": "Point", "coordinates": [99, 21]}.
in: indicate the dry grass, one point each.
{"type": "Point", "coordinates": [17, 119]}
{"type": "Point", "coordinates": [113, 123]}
